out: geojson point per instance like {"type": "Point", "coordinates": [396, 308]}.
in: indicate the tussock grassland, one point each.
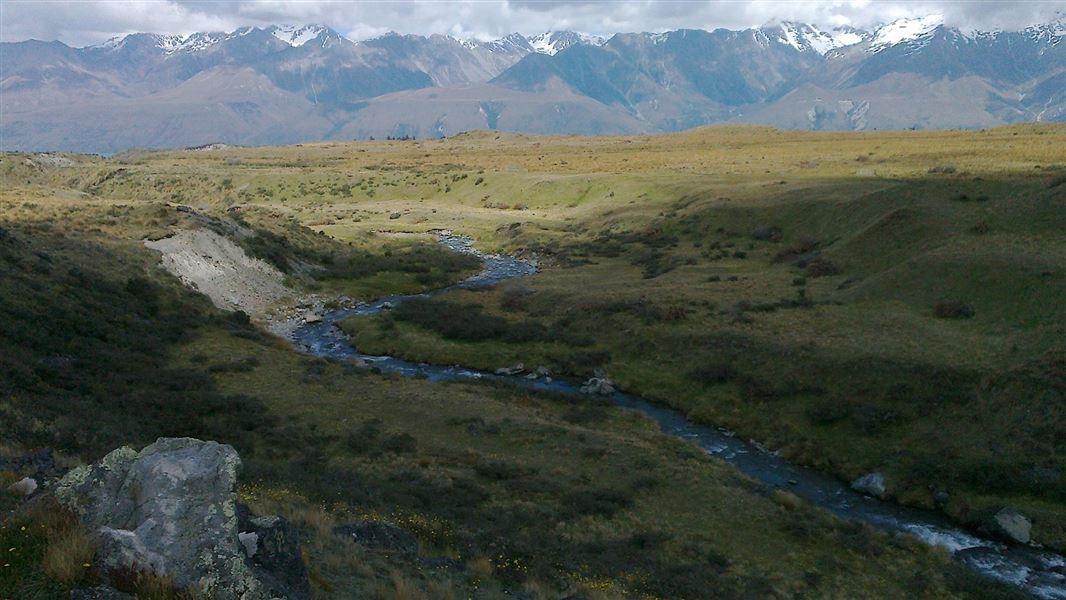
{"type": "Point", "coordinates": [784, 284]}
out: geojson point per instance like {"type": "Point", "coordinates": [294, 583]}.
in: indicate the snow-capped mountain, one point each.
{"type": "Point", "coordinates": [283, 84]}
{"type": "Point", "coordinates": [804, 37]}
{"type": "Point", "coordinates": [553, 42]}
{"type": "Point", "coordinates": [295, 35]}
{"type": "Point", "coordinates": [905, 31]}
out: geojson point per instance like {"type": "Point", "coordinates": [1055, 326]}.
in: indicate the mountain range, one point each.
{"type": "Point", "coordinates": [286, 84]}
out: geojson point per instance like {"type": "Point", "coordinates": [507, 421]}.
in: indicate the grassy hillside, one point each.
{"type": "Point", "coordinates": [786, 285]}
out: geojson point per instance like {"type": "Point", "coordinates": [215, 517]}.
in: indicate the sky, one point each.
{"type": "Point", "coordinates": [85, 22]}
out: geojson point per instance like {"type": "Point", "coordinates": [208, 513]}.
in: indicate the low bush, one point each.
{"type": "Point", "coordinates": [953, 309]}
{"type": "Point", "coordinates": [821, 267]}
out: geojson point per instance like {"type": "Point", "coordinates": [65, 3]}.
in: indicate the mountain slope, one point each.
{"type": "Point", "coordinates": [290, 83]}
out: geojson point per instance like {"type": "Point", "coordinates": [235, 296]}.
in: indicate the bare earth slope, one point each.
{"type": "Point", "coordinates": [219, 269]}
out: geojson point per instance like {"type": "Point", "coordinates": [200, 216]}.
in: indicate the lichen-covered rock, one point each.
{"type": "Point", "coordinates": [171, 510]}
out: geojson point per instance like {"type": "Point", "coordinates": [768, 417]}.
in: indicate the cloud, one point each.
{"type": "Point", "coordinates": [80, 22]}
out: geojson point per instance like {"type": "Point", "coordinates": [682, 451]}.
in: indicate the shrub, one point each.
{"type": "Point", "coordinates": [712, 374]}
{"type": "Point", "coordinates": [800, 247]}
{"type": "Point", "coordinates": [944, 169]}
{"type": "Point", "coordinates": [514, 297]}
{"type": "Point", "coordinates": [401, 443]}
{"type": "Point", "coordinates": [602, 502]}
{"type": "Point", "coordinates": [821, 267]}
{"type": "Point", "coordinates": [767, 233]}
{"type": "Point", "coordinates": [953, 309]}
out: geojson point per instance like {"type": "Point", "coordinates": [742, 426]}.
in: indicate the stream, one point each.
{"type": "Point", "coordinates": [1040, 573]}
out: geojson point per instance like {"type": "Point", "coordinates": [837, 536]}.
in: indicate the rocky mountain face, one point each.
{"type": "Point", "coordinates": [287, 84]}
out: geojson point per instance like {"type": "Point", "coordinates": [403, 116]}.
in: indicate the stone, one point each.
{"type": "Point", "coordinates": [378, 535]}
{"type": "Point", "coordinates": [250, 541]}
{"type": "Point", "coordinates": [871, 484]}
{"type": "Point", "coordinates": [23, 487]}
{"type": "Point", "coordinates": [169, 509]}
{"type": "Point", "coordinates": [100, 592]}
{"type": "Point", "coordinates": [514, 369]}
{"type": "Point", "coordinates": [395, 215]}
{"type": "Point", "coordinates": [1012, 525]}
{"type": "Point", "coordinates": [598, 385]}
{"type": "Point", "coordinates": [277, 556]}
{"type": "Point", "coordinates": [543, 371]}
{"type": "Point", "coordinates": [313, 318]}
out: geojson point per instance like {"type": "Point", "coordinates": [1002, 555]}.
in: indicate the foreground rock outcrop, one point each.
{"type": "Point", "coordinates": [171, 510]}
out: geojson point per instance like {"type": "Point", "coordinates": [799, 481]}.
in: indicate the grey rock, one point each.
{"type": "Point", "coordinates": [277, 557]}
{"type": "Point", "coordinates": [598, 385]}
{"type": "Point", "coordinates": [313, 318]}
{"type": "Point", "coordinates": [395, 215]}
{"type": "Point", "coordinates": [23, 487]}
{"type": "Point", "coordinates": [100, 592]}
{"type": "Point", "coordinates": [1012, 525]}
{"type": "Point", "coordinates": [250, 541]}
{"type": "Point", "coordinates": [871, 484]}
{"type": "Point", "coordinates": [378, 535]}
{"type": "Point", "coordinates": [169, 509]}
{"type": "Point", "coordinates": [543, 371]}
{"type": "Point", "coordinates": [514, 369]}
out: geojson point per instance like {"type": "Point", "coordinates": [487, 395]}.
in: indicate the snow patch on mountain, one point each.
{"type": "Point", "coordinates": [804, 37]}
{"type": "Point", "coordinates": [904, 30]}
{"type": "Point", "coordinates": [296, 35]}
{"type": "Point", "coordinates": [553, 42]}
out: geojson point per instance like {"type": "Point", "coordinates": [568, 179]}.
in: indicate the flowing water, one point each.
{"type": "Point", "coordinates": [1041, 573]}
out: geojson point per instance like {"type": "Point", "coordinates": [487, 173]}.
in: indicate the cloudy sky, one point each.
{"type": "Point", "coordinates": [82, 22]}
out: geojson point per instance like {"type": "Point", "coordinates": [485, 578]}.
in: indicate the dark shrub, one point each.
{"type": "Point", "coordinates": [401, 443]}
{"type": "Point", "coordinates": [953, 309]}
{"type": "Point", "coordinates": [602, 502]}
{"type": "Point", "coordinates": [821, 267]}
{"type": "Point", "coordinates": [712, 374]}
{"type": "Point", "coordinates": [767, 233]}
{"type": "Point", "coordinates": [514, 297]}
{"type": "Point", "coordinates": [801, 247]}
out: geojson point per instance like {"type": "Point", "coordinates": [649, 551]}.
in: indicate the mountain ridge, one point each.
{"type": "Point", "coordinates": [305, 82]}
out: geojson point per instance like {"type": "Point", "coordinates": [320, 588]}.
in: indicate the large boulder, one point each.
{"type": "Point", "coordinates": [1012, 525]}
{"type": "Point", "coordinates": [871, 484]}
{"type": "Point", "coordinates": [171, 510]}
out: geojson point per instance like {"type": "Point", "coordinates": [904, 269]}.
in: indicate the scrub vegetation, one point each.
{"type": "Point", "coordinates": [829, 295]}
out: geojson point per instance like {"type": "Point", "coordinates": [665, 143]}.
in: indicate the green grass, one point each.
{"type": "Point", "coordinates": [649, 269]}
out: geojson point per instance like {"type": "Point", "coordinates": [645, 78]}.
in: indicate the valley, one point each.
{"type": "Point", "coordinates": [857, 303]}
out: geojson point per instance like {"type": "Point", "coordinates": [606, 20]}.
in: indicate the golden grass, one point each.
{"type": "Point", "coordinates": [69, 554]}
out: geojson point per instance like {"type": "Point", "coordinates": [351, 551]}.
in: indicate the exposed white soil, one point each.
{"type": "Point", "coordinates": [218, 268]}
